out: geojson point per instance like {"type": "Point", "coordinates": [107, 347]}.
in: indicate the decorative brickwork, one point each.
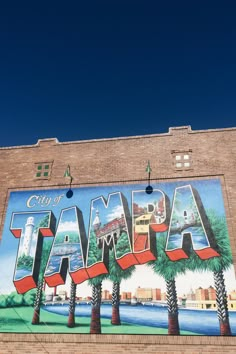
{"type": "Point", "coordinates": [122, 160]}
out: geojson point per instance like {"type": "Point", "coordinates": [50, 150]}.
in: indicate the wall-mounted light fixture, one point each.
{"type": "Point", "coordinates": [67, 174]}
{"type": "Point", "coordinates": [149, 188]}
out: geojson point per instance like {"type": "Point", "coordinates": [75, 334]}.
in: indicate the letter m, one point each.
{"type": "Point", "coordinates": [110, 226]}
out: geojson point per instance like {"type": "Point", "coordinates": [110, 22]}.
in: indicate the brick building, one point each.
{"type": "Point", "coordinates": [126, 295]}
{"type": "Point", "coordinates": [232, 295]}
{"type": "Point", "coordinates": [106, 295]}
{"type": "Point", "coordinates": [202, 294]}
{"type": "Point", "coordinates": [178, 155]}
{"type": "Point", "coordinates": [211, 293]}
{"type": "Point", "coordinates": [156, 294]}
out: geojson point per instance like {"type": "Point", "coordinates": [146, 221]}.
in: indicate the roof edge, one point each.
{"type": "Point", "coordinates": [172, 131]}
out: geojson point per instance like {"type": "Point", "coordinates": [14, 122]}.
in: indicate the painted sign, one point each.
{"type": "Point", "coordinates": [115, 259]}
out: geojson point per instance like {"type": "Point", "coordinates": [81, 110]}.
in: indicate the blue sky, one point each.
{"type": "Point", "coordinates": [97, 69]}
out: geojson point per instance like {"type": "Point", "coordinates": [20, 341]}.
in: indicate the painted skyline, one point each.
{"type": "Point", "coordinates": [116, 215]}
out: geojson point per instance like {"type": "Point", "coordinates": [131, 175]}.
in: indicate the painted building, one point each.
{"type": "Point", "coordinates": [143, 294]}
{"type": "Point", "coordinates": [106, 295]}
{"type": "Point", "coordinates": [156, 294]}
{"type": "Point", "coordinates": [126, 295]}
{"type": "Point", "coordinates": [202, 294]}
{"type": "Point", "coordinates": [211, 293]}
{"type": "Point", "coordinates": [232, 295]}
{"type": "Point", "coordinates": [176, 240]}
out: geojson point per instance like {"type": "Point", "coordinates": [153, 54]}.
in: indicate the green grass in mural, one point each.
{"type": "Point", "coordinates": [25, 262]}
{"type": "Point", "coordinates": [18, 320]}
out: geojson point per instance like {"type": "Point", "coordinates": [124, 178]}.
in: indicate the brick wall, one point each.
{"type": "Point", "coordinates": [122, 160]}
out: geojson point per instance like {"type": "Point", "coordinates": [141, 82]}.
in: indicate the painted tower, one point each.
{"type": "Point", "coordinates": [29, 228]}
{"type": "Point", "coordinates": [96, 222]}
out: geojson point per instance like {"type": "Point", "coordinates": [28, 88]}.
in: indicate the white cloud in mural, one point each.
{"type": "Point", "coordinates": [142, 204]}
{"type": "Point", "coordinates": [7, 273]}
{"type": "Point", "coordinates": [115, 213]}
{"type": "Point", "coordinates": [68, 226]}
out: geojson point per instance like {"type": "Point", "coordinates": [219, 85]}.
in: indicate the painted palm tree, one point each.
{"type": "Point", "coordinates": [40, 284]}
{"type": "Point", "coordinates": [46, 247]}
{"type": "Point", "coordinates": [116, 275]}
{"type": "Point", "coordinates": [164, 267]}
{"type": "Point", "coordinates": [95, 255]}
{"type": "Point", "coordinates": [37, 303]}
{"type": "Point", "coordinates": [95, 324]}
{"type": "Point", "coordinates": [217, 265]}
{"type": "Point", "coordinates": [72, 302]}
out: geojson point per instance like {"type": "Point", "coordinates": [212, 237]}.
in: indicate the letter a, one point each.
{"type": "Point", "coordinates": [189, 226]}
{"type": "Point", "coordinates": [67, 250]}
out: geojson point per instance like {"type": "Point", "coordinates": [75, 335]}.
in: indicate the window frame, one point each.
{"type": "Point", "coordinates": [182, 160]}
{"type": "Point", "coordinates": [43, 170]}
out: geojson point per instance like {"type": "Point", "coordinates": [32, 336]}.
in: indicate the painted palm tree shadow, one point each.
{"type": "Point", "coordinates": [109, 325]}
{"type": "Point", "coordinates": [62, 324]}
{"type": "Point", "coordinates": [12, 321]}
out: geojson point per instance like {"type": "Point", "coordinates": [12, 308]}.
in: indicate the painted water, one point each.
{"type": "Point", "coordinates": [202, 322]}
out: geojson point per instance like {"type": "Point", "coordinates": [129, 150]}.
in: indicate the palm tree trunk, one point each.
{"type": "Point", "coordinates": [37, 303]}
{"type": "Point", "coordinates": [172, 303]}
{"type": "Point", "coordinates": [71, 318]}
{"type": "Point", "coordinates": [95, 325]}
{"type": "Point", "coordinates": [222, 304]}
{"type": "Point", "coordinates": [115, 319]}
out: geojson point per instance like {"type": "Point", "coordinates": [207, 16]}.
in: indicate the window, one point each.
{"type": "Point", "coordinates": [43, 170]}
{"type": "Point", "coordinates": [182, 160]}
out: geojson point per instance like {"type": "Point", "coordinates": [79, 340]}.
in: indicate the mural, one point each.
{"type": "Point", "coordinates": [114, 259]}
